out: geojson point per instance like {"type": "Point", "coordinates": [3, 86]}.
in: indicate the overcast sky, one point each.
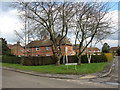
{"type": "Point", "coordinates": [9, 21]}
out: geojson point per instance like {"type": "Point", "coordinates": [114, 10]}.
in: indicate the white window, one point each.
{"type": "Point", "coordinates": [47, 54]}
{"type": "Point", "coordinates": [99, 54]}
{"type": "Point", "coordinates": [71, 53]}
{"type": "Point", "coordinates": [21, 50]}
{"type": "Point", "coordinates": [37, 55]}
{"type": "Point", "coordinates": [98, 51]}
{"type": "Point", "coordinates": [47, 48]}
{"type": "Point", "coordinates": [37, 48]}
{"type": "Point", "coordinates": [94, 51]}
{"type": "Point", "coordinates": [28, 49]}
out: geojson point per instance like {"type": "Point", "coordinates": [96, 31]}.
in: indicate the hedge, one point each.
{"type": "Point", "coordinates": [84, 59]}
{"type": "Point", "coordinates": [109, 56]}
{"type": "Point", "coordinates": [47, 60]}
{"type": "Point", "coordinates": [36, 61]}
{"type": "Point", "coordinates": [11, 59]}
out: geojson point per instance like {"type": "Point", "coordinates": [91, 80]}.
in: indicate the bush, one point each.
{"type": "Point", "coordinates": [47, 60]}
{"type": "Point", "coordinates": [109, 56]}
{"type": "Point", "coordinates": [84, 59]}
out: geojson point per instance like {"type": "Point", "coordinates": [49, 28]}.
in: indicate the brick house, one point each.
{"type": "Point", "coordinates": [113, 49]}
{"type": "Point", "coordinates": [17, 49]}
{"type": "Point", "coordinates": [93, 50]}
{"type": "Point", "coordinates": [77, 46]}
{"type": "Point", "coordinates": [44, 47]}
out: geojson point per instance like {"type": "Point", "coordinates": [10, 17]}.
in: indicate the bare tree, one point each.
{"type": "Point", "coordinates": [90, 23]}
{"type": "Point", "coordinates": [52, 18]}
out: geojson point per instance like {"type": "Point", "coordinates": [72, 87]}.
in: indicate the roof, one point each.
{"type": "Point", "coordinates": [47, 42]}
{"type": "Point", "coordinates": [12, 46]}
{"type": "Point", "coordinates": [93, 48]}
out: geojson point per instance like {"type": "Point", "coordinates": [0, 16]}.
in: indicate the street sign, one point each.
{"type": "Point", "coordinates": [71, 64]}
{"type": "Point", "coordinates": [66, 49]}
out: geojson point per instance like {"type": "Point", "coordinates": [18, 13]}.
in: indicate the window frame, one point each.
{"type": "Point", "coordinates": [47, 48]}
{"type": "Point", "coordinates": [47, 54]}
{"type": "Point", "coordinates": [37, 48]}
{"type": "Point", "coordinates": [28, 49]}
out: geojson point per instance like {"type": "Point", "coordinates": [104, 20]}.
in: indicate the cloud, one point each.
{"type": "Point", "coordinates": [9, 22]}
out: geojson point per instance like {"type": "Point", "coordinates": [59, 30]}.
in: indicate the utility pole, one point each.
{"type": "Point", "coordinates": [25, 28]}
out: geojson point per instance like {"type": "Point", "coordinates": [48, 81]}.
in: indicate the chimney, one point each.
{"type": "Point", "coordinates": [45, 37]}
{"type": "Point", "coordinates": [18, 43]}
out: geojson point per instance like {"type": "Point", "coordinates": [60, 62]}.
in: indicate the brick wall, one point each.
{"type": "Point", "coordinates": [44, 52]}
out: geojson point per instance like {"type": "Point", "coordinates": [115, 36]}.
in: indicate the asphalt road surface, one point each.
{"type": "Point", "coordinates": [11, 79]}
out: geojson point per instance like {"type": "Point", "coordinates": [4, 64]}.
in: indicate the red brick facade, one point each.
{"type": "Point", "coordinates": [17, 49]}
{"type": "Point", "coordinates": [44, 51]}
{"type": "Point", "coordinates": [92, 50]}
{"type": "Point", "coordinates": [113, 49]}
{"type": "Point", "coordinates": [44, 47]}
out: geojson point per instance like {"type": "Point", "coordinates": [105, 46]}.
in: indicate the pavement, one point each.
{"type": "Point", "coordinates": [11, 79]}
{"type": "Point", "coordinates": [109, 74]}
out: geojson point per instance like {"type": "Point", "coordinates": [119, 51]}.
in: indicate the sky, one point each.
{"type": "Point", "coordinates": [9, 21]}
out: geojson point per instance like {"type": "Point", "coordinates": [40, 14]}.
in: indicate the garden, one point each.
{"type": "Point", "coordinates": [47, 64]}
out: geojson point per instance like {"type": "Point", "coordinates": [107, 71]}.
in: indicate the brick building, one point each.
{"type": "Point", "coordinates": [17, 49]}
{"type": "Point", "coordinates": [77, 46]}
{"type": "Point", "coordinates": [92, 50]}
{"type": "Point", "coordinates": [113, 49]}
{"type": "Point", "coordinates": [44, 47]}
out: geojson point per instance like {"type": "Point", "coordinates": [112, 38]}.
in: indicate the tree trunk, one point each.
{"type": "Point", "coordinates": [57, 60]}
{"type": "Point", "coordinates": [89, 60]}
{"type": "Point", "coordinates": [79, 60]}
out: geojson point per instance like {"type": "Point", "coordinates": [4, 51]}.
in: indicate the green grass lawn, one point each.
{"type": "Point", "coordinates": [62, 69]}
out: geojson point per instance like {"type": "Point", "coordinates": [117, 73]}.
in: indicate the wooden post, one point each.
{"type": "Point", "coordinates": [67, 67]}
{"type": "Point", "coordinates": [75, 68]}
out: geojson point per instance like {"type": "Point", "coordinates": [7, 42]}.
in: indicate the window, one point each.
{"type": "Point", "coordinates": [21, 50]}
{"type": "Point", "coordinates": [71, 53]}
{"type": "Point", "coordinates": [94, 51]}
{"type": "Point", "coordinates": [90, 51]}
{"type": "Point", "coordinates": [28, 50]}
{"type": "Point", "coordinates": [37, 55]}
{"type": "Point", "coordinates": [47, 48]}
{"type": "Point", "coordinates": [99, 54]}
{"type": "Point", "coordinates": [47, 54]}
{"type": "Point", "coordinates": [37, 48]}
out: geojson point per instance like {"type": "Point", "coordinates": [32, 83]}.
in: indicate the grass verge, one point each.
{"type": "Point", "coordinates": [62, 69]}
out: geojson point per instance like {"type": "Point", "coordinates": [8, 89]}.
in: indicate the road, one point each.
{"type": "Point", "coordinates": [113, 77]}
{"type": "Point", "coordinates": [11, 79]}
